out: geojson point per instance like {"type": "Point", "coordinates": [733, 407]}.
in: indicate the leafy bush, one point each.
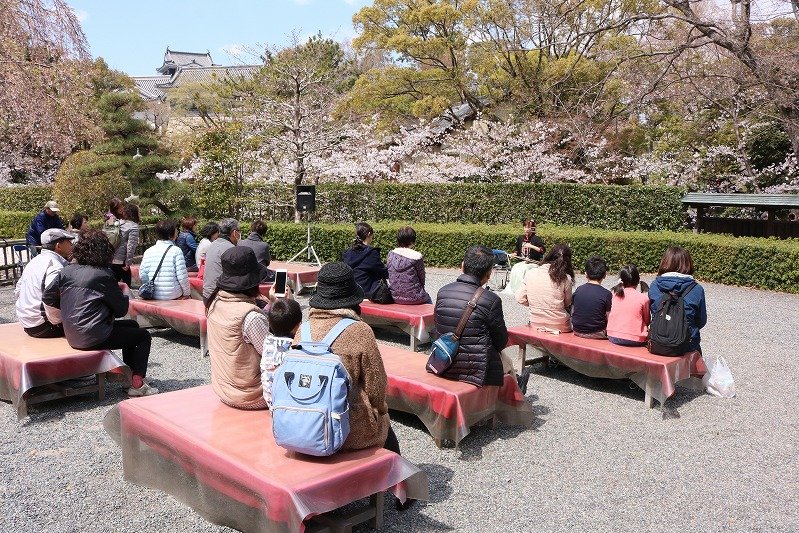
{"type": "Point", "coordinates": [764, 263]}
{"type": "Point", "coordinates": [81, 185]}
{"type": "Point", "coordinates": [25, 198]}
{"type": "Point", "coordinates": [15, 224]}
{"type": "Point", "coordinates": [615, 207]}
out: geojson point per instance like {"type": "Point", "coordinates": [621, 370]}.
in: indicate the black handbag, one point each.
{"type": "Point", "coordinates": [147, 290]}
{"type": "Point", "coordinates": [382, 294]}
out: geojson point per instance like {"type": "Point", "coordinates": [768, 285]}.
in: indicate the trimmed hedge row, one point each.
{"type": "Point", "coordinates": [763, 263]}
{"type": "Point", "coordinates": [15, 224]}
{"type": "Point", "coordinates": [616, 207]}
{"type": "Point", "coordinates": [25, 198]}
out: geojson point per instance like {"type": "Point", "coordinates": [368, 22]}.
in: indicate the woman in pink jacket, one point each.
{"type": "Point", "coordinates": [547, 290]}
{"type": "Point", "coordinates": [629, 312]}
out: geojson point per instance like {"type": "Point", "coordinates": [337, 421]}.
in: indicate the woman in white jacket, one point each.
{"type": "Point", "coordinates": [172, 281]}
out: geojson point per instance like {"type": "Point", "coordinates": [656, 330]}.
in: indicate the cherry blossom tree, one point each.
{"type": "Point", "coordinates": [46, 89]}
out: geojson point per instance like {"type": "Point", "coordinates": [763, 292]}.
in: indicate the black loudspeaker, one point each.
{"type": "Point", "coordinates": [306, 198]}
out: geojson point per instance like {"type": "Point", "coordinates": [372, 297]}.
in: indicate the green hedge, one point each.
{"type": "Point", "coordinates": [764, 263]}
{"type": "Point", "coordinates": [616, 207]}
{"type": "Point", "coordinates": [25, 198]}
{"type": "Point", "coordinates": [15, 224]}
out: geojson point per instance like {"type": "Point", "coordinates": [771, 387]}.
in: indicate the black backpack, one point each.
{"type": "Point", "coordinates": [669, 332]}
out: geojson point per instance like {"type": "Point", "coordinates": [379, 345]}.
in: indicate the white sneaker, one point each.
{"type": "Point", "coordinates": [144, 390]}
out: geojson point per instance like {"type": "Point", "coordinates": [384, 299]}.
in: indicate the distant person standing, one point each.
{"type": "Point", "coordinates": [124, 253]}
{"type": "Point", "coordinates": [48, 218]}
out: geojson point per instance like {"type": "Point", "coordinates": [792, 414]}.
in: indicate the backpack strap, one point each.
{"type": "Point", "coordinates": [332, 335]}
{"type": "Point", "coordinates": [688, 289]}
{"type": "Point", "coordinates": [337, 330]}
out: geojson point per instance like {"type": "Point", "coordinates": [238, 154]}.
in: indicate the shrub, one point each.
{"type": "Point", "coordinates": [627, 208]}
{"type": "Point", "coordinates": [76, 189]}
{"type": "Point", "coordinates": [15, 224]}
{"type": "Point", "coordinates": [25, 198]}
{"type": "Point", "coordinates": [763, 263]}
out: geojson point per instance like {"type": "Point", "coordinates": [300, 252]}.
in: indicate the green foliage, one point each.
{"type": "Point", "coordinates": [86, 182]}
{"type": "Point", "coordinates": [767, 145]}
{"type": "Point", "coordinates": [763, 263]}
{"type": "Point", "coordinates": [600, 206]}
{"type": "Point", "coordinates": [219, 183]}
{"type": "Point", "coordinates": [25, 198]}
{"type": "Point", "coordinates": [15, 224]}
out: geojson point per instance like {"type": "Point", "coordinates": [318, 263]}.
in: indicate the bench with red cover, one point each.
{"type": "Point", "coordinates": [135, 278]}
{"type": "Point", "coordinates": [184, 316]}
{"type": "Point", "coordinates": [598, 358]}
{"type": "Point", "coordinates": [415, 320]}
{"type": "Point", "coordinates": [196, 285]}
{"type": "Point", "coordinates": [225, 464]}
{"type": "Point", "coordinates": [447, 408]}
{"type": "Point", "coordinates": [27, 363]}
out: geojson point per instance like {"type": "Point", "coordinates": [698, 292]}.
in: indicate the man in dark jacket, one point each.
{"type": "Point", "coordinates": [485, 335]}
{"type": "Point", "coordinates": [255, 240]}
{"type": "Point", "coordinates": [48, 218]}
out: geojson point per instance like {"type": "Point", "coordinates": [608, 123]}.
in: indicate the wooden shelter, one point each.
{"type": "Point", "coordinates": [746, 227]}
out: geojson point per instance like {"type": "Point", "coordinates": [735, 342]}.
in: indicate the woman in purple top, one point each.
{"type": "Point", "coordinates": [406, 270]}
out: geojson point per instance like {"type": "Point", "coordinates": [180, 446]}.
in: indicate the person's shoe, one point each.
{"type": "Point", "coordinates": [144, 390]}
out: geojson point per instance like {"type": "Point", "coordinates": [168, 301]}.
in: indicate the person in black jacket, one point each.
{"type": "Point", "coordinates": [485, 335]}
{"type": "Point", "coordinates": [365, 260]}
{"type": "Point", "coordinates": [89, 299]}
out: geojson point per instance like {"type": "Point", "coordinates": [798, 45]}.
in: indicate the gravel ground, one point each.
{"type": "Point", "coordinates": [595, 458]}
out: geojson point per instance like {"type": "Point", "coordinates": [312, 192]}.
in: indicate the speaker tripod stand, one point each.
{"type": "Point", "coordinates": [308, 247]}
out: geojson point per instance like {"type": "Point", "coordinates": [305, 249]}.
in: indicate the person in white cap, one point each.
{"type": "Point", "coordinates": [48, 218]}
{"type": "Point", "coordinates": [37, 275]}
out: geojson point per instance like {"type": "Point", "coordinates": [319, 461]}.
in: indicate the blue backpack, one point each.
{"type": "Point", "coordinates": [310, 411]}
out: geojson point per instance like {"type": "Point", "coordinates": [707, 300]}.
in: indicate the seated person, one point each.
{"type": "Point", "coordinates": [236, 330]}
{"type": "Point", "coordinates": [364, 260]}
{"type": "Point", "coordinates": [209, 233]}
{"type": "Point", "coordinates": [478, 360]}
{"type": "Point", "coordinates": [629, 313]}
{"type": "Point", "coordinates": [79, 222]}
{"type": "Point", "coordinates": [48, 218]}
{"type": "Point", "coordinates": [547, 290]}
{"type": "Point", "coordinates": [406, 270]}
{"type": "Point", "coordinates": [591, 302]}
{"type": "Point", "coordinates": [529, 247]}
{"type": "Point", "coordinates": [89, 299]}
{"type": "Point", "coordinates": [255, 240]}
{"type": "Point", "coordinates": [338, 296]}
{"type": "Point", "coordinates": [172, 281]}
{"type": "Point", "coordinates": [187, 242]}
{"type": "Point", "coordinates": [285, 317]}
{"type": "Point", "coordinates": [229, 236]}
{"type": "Point", "coordinates": [38, 274]}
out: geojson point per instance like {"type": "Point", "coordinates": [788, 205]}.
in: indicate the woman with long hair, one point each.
{"type": "Point", "coordinates": [676, 274]}
{"type": "Point", "coordinates": [547, 290]}
{"type": "Point", "coordinates": [364, 260]}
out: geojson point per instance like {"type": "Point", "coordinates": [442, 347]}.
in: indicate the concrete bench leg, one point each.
{"type": "Point", "coordinates": [414, 342]}
{"type": "Point", "coordinates": [203, 344]}
{"type": "Point", "coordinates": [101, 387]}
{"type": "Point", "coordinates": [648, 400]}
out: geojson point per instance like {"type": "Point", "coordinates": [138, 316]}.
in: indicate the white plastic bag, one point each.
{"type": "Point", "coordinates": [718, 379]}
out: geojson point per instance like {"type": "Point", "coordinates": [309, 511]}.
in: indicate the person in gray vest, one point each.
{"type": "Point", "coordinates": [229, 235]}
{"type": "Point", "coordinates": [38, 274]}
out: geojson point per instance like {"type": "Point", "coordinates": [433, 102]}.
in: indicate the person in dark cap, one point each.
{"type": "Point", "coordinates": [338, 296]}
{"type": "Point", "coordinates": [237, 328]}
